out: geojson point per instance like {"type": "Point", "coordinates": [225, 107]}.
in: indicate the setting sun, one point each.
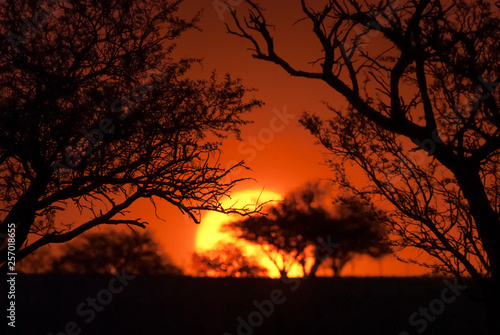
{"type": "Point", "coordinates": [250, 167]}
{"type": "Point", "coordinates": [209, 234]}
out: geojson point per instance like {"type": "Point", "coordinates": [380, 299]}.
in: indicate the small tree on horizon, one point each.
{"type": "Point", "coordinates": [295, 230]}
{"type": "Point", "coordinates": [137, 253]}
{"type": "Point", "coordinates": [38, 262]}
{"type": "Point", "coordinates": [227, 260]}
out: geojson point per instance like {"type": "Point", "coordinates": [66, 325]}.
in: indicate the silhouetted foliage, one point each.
{"type": "Point", "coordinates": [422, 121]}
{"type": "Point", "coordinates": [226, 260]}
{"type": "Point", "coordinates": [40, 261]}
{"type": "Point", "coordinates": [306, 225]}
{"type": "Point", "coordinates": [108, 253]}
{"type": "Point", "coordinates": [95, 114]}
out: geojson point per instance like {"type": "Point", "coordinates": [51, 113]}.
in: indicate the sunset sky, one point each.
{"type": "Point", "coordinates": [280, 152]}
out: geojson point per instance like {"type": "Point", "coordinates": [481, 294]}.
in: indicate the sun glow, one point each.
{"type": "Point", "coordinates": [209, 234]}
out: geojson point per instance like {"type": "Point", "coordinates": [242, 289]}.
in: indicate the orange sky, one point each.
{"type": "Point", "coordinates": [280, 160]}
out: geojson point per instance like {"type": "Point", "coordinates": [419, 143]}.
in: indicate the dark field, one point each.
{"type": "Point", "coordinates": [185, 305]}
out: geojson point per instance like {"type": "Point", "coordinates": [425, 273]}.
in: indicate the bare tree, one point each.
{"type": "Point", "coordinates": [304, 227]}
{"type": "Point", "coordinates": [227, 260]}
{"type": "Point", "coordinates": [422, 120]}
{"type": "Point", "coordinates": [95, 114]}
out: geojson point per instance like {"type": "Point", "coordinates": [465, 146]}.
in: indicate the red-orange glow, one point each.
{"type": "Point", "coordinates": [284, 157]}
{"type": "Point", "coordinates": [208, 233]}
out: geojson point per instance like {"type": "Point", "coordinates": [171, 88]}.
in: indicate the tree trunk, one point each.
{"type": "Point", "coordinates": [315, 266]}
{"type": "Point", "coordinates": [336, 269]}
{"type": "Point", "coordinates": [485, 218]}
{"type": "Point", "coordinates": [22, 215]}
{"type": "Point", "coordinates": [488, 228]}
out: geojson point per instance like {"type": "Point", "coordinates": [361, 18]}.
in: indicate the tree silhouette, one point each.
{"type": "Point", "coordinates": [37, 262]}
{"type": "Point", "coordinates": [226, 260]}
{"type": "Point", "coordinates": [108, 253]}
{"type": "Point", "coordinates": [422, 119]}
{"type": "Point", "coordinates": [95, 114]}
{"type": "Point", "coordinates": [305, 223]}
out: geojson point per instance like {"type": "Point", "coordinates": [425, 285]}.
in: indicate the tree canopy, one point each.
{"type": "Point", "coordinates": [135, 252]}
{"type": "Point", "coordinates": [297, 229]}
{"type": "Point", "coordinates": [95, 114]}
{"type": "Point", "coordinates": [108, 253]}
{"type": "Point", "coordinates": [226, 260]}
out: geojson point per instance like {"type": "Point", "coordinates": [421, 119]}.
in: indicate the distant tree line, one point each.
{"type": "Point", "coordinates": [103, 253]}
